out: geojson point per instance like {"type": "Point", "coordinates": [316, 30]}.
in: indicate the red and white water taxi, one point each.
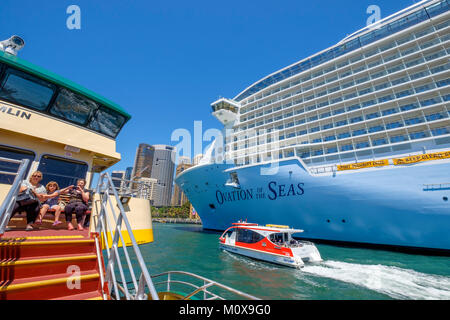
{"type": "Point", "coordinates": [272, 243]}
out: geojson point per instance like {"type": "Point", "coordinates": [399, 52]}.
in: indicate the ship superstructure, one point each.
{"type": "Point", "coordinates": [381, 91]}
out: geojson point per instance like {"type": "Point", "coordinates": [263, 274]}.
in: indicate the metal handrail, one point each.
{"type": "Point", "coordinates": [119, 284]}
{"type": "Point", "coordinates": [436, 186]}
{"type": "Point", "coordinates": [10, 199]}
{"type": "Point", "coordinates": [114, 259]}
{"type": "Point", "coordinates": [206, 284]}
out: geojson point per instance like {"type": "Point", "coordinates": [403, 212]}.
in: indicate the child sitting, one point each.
{"type": "Point", "coordinates": [53, 202]}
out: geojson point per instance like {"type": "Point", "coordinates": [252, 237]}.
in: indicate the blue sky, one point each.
{"type": "Point", "coordinates": [166, 61]}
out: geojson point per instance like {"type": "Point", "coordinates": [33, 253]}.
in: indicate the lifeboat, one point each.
{"type": "Point", "coordinates": [271, 243]}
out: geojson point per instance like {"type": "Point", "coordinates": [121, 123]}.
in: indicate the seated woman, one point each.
{"type": "Point", "coordinates": [53, 202]}
{"type": "Point", "coordinates": [79, 198]}
{"type": "Point", "coordinates": [32, 209]}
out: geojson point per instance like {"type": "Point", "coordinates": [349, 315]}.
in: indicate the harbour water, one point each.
{"type": "Point", "coordinates": [345, 273]}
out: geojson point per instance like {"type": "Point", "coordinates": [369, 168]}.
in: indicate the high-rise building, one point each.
{"type": "Point", "coordinates": [128, 173]}
{"type": "Point", "coordinates": [162, 170]}
{"type": "Point", "coordinates": [117, 179]}
{"type": "Point", "coordinates": [144, 161]}
{"type": "Point", "coordinates": [156, 162]}
{"type": "Point", "coordinates": [179, 198]}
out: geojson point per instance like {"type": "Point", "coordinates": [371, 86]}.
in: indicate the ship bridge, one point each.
{"type": "Point", "coordinates": [226, 110]}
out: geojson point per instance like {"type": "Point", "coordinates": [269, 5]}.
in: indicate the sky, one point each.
{"type": "Point", "coordinates": [165, 62]}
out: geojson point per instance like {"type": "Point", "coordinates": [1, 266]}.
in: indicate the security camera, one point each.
{"type": "Point", "coordinates": [12, 45]}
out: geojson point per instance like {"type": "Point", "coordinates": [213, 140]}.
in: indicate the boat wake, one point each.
{"type": "Point", "coordinates": [395, 282]}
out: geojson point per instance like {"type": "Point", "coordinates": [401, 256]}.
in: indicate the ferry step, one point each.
{"type": "Point", "coordinates": [19, 222]}
{"type": "Point", "coordinates": [38, 245]}
{"type": "Point", "coordinates": [48, 264]}
{"type": "Point", "coordinates": [56, 286]}
{"type": "Point", "coordinates": [44, 266]}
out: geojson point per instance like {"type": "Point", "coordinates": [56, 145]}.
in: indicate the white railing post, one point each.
{"type": "Point", "coordinates": [10, 199]}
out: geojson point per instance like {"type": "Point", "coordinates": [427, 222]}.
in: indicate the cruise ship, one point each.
{"type": "Point", "coordinates": [351, 144]}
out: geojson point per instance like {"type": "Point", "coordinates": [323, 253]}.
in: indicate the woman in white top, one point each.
{"type": "Point", "coordinates": [31, 209]}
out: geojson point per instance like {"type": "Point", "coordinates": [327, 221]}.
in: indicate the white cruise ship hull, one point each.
{"type": "Point", "coordinates": [390, 206]}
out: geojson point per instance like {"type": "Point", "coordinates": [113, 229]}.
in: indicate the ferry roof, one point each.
{"type": "Point", "coordinates": [423, 10]}
{"type": "Point", "coordinates": [269, 227]}
{"type": "Point", "coordinates": [37, 71]}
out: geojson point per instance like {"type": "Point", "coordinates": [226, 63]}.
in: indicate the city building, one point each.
{"type": "Point", "coordinates": [148, 188]}
{"type": "Point", "coordinates": [143, 161]}
{"type": "Point", "coordinates": [117, 179]}
{"type": "Point", "coordinates": [179, 198]}
{"type": "Point", "coordinates": [156, 162]}
{"type": "Point", "coordinates": [197, 159]}
{"type": "Point", "coordinates": [128, 173]}
{"type": "Point", "coordinates": [162, 170]}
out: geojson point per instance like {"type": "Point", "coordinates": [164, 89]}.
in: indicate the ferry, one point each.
{"type": "Point", "coordinates": [271, 243]}
{"type": "Point", "coordinates": [67, 132]}
{"type": "Point", "coordinates": [351, 143]}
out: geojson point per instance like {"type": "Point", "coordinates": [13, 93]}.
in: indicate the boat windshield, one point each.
{"type": "Point", "coordinates": [279, 237]}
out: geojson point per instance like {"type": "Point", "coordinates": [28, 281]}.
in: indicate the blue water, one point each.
{"type": "Point", "coordinates": [345, 273]}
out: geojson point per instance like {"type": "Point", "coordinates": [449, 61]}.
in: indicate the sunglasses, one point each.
{"type": "Point", "coordinates": [36, 176]}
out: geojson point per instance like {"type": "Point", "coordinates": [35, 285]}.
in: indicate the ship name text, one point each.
{"type": "Point", "coordinates": [15, 112]}
{"type": "Point", "coordinates": [274, 191]}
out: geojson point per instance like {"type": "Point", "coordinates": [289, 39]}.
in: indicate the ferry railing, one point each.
{"type": "Point", "coordinates": [323, 169]}
{"type": "Point", "coordinates": [207, 283]}
{"type": "Point", "coordinates": [121, 286]}
{"type": "Point", "coordinates": [106, 190]}
{"type": "Point", "coordinates": [133, 188]}
{"type": "Point", "coordinates": [436, 186]}
{"type": "Point", "coordinates": [10, 199]}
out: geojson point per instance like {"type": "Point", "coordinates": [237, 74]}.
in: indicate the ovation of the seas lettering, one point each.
{"type": "Point", "coordinates": [275, 191]}
{"type": "Point", "coordinates": [285, 190]}
{"type": "Point", "coordinates": [237, 195]}
{"type": "Point", "coordinates": [15, 112]}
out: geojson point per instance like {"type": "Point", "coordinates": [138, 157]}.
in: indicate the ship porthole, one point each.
{"type": "Point", "coordinates": [445, 198]}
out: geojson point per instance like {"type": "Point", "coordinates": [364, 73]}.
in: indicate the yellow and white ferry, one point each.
{"type": "Point", "coordinates": [52, 125]}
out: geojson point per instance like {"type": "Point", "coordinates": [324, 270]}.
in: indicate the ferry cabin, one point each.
{"type": "Point", "coordinates": [66, 131]}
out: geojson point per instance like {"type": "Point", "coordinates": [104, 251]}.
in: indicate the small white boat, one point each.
{"type": "Point", "coordinates": [272, 243]}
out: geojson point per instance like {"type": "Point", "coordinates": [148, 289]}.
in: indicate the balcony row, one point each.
{"type": "Point", "coordinates": [345, 150]}
{"type": "Point", "coordinates": [351, 117]}
{"type": "Point", "coordinates": [355, 88]}
{"type": "Point", "coordinates": [330, 67]}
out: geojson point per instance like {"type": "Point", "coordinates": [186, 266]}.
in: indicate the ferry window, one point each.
{"type": "Point", "coordinates": [73, 107]}
{"type": "Point", "coordinates": [107, 122]}
{"type": "Point", "coordinates": [16, 154]}
{"type": "Point", "coordinates": [248, 236]}
{"type": "Point", "coordinates": [65, 172]}
{"type": "Point", "coordinates": [26, 90]}
{"type": "Point", "coordinates": [277, 237]}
